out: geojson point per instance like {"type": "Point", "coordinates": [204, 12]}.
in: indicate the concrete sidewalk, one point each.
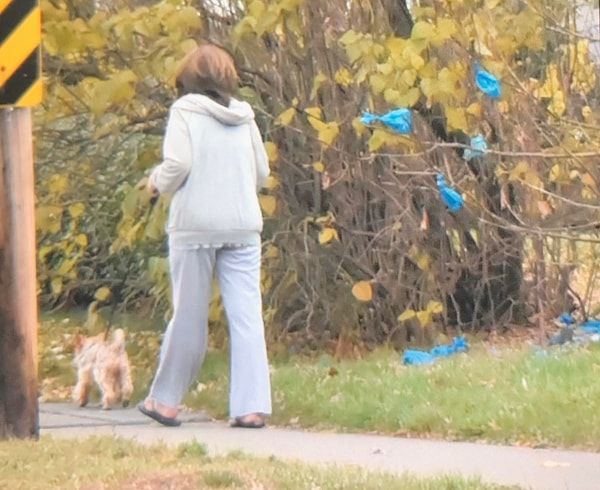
{"type": "Point", "coordinates": [536, 469]}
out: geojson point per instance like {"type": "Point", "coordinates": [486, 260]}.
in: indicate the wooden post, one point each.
{"type": "Point", "coordinates": [18, 302]}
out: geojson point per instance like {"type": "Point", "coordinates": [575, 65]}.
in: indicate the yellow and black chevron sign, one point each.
{"type": "Point", "coordinates": [20, 54]}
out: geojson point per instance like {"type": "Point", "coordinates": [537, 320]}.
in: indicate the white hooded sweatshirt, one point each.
{"type": "Point", "coordinates": [214, 162]}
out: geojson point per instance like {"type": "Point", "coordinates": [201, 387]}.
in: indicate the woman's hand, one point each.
{"type": "Point", "coordinates": [151, 187]}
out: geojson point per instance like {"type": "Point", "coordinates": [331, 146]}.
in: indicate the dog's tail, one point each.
{"type": "Point", "coordinates": [118, 338]}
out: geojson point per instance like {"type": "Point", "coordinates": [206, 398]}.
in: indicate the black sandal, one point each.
{"type": "Point", "coordinates": [247, 424]}
{"type": "Point", "coordinates": [158, 417]}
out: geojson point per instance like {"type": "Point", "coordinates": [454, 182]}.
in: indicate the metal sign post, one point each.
{"type": "Point", "coordinates": [20, 88]}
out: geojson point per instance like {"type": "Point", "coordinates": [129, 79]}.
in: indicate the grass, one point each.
{"type": "Point", "coordinates": [107, 463]}
{"type": "Point", "coordinates": [518, 397]}
{"type": "Point", "coordinates": [515, 396]}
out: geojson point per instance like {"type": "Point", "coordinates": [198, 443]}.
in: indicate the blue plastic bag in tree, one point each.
{"type": "Point", "coordinates": [399, 120]}
{"type": "Point", "coordinates": [478, 147]}
{"type": "Point", "coordinates": [487, 83]}
{"type": "Point", "coordinates": [451, 198]}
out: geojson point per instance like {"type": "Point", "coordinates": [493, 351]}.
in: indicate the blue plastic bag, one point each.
{"type": "Point", "coordinates": [487, 83]}
{"type": "Point", "coordinates": [418, 357]}
{"type": "Point", "coordinates": [451, 198]}
{"type": "Point", "coordinates": [591, 326]}
{"type": "Point", "coordinates": [400, 120]}
{"type": "Point", "coordinates": [478, 147]}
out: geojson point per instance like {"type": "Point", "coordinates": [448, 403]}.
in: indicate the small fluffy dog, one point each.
{"type": "Point", "coordinates": [105, 362]}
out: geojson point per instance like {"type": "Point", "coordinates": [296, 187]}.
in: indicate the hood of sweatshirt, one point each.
{"type": "Point", "coordinates": [238, 112]}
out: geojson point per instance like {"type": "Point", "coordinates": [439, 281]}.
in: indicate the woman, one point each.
{"type": "Point", "coordinates": [214, 164]}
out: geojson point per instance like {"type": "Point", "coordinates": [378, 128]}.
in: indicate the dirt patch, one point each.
{"type": "Point", "coordinates": [154, 482]}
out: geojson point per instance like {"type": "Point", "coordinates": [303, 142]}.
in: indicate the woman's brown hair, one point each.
{"type": "Point", "coordinates": [208, 70]}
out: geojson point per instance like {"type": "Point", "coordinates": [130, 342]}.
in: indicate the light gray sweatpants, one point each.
{"type": "Point", "coordinates": [186, 338]}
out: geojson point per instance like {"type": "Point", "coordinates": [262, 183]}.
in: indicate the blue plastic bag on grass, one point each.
{"type": "Point", "coordinates": [591, 326]}
{"type": "Point", "coordinates": [418, 357]}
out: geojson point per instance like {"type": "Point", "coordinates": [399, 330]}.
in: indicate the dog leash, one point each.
{"type": "Point", "coordinates": [152, 202]}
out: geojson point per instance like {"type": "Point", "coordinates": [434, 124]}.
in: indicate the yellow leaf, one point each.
{"type": "Point", "coordinates": [271, 183]}
{"type": "Point", "coordinates": [187, 46]}
{"type": "Point", "coordinates": [424, 261]}
{"type": "Point", "coordinates": [44, 251]}
{"type": "Point", "coordinates": [67, 268]}
{"type": "Point", "coordinates": [272, 152]}
{"type": "Point", "coordinates": [475, 109]}
{"type": "Point", "coordinates": [416, 61]}
{"type": "Point", "coordinates": [558, 174]}
{"type": "Point", "coordinates": [424, 318]}
{"type": "Point", "coordinates": [327, 235]}
{"type": "Point", "coordinates": [408, 77]}
{"type": "Point", "coordinates": [435, 307]}
{"type": "Point", "coordinates": [81, 240]}
{"type": "Point", "coordinates": [359, 127]}
{"type": "Point", "coordinates": [381, 138]}
{"type": "Point", "coordinates": [419, 257]}
{"type": "Point", "coordinates": [314, 113]}
{"type": "Point", "coordinates": [328, 132]}
{"type": "Point", "coordinates": [445, 29]}
{"type": "Point", "coordinates": [102, 294]}
{"type": "Point", "coordinates": [286, 117]}
{"type": "Point", "coordinates": [320, 79]}
{"type": "Point", "coordinates": [319, 167]}
{"type": "Point", "coordinates": [76, 210]}
{"type": "Point", "coordinates": [343, 77]}
{"type": "Point", "coordinates": [391, 95]}
{"type": "Point", "coordinates": [378, 82]}
{"type": "Point", "coordinates": [407, 315]}
{"type": "Point", "coordinates": [457, 119]}
{"type": "Point", "coordinates": [588, 179]}
{"type": "Point", "coordinates": [363, 291]}
{"type": "Point", "coordinates": [422, 30]}
{"type": "Point", "coordinates": [268, 204]}
{"type": "Point", "coordinates": [56, 285]}
{"type": "Point", "coordinates": [558, 105]}
{"type": "Point", "coordinates": [586, 112]}
{"type": "Point", "coordinates": [409, 98]}
{"type": "Point", "coordinates": [271, 252]}
{"type": "Point", "coordinates": [58, 184]}
{"type": "Point", "coordinates": [49, 219]}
